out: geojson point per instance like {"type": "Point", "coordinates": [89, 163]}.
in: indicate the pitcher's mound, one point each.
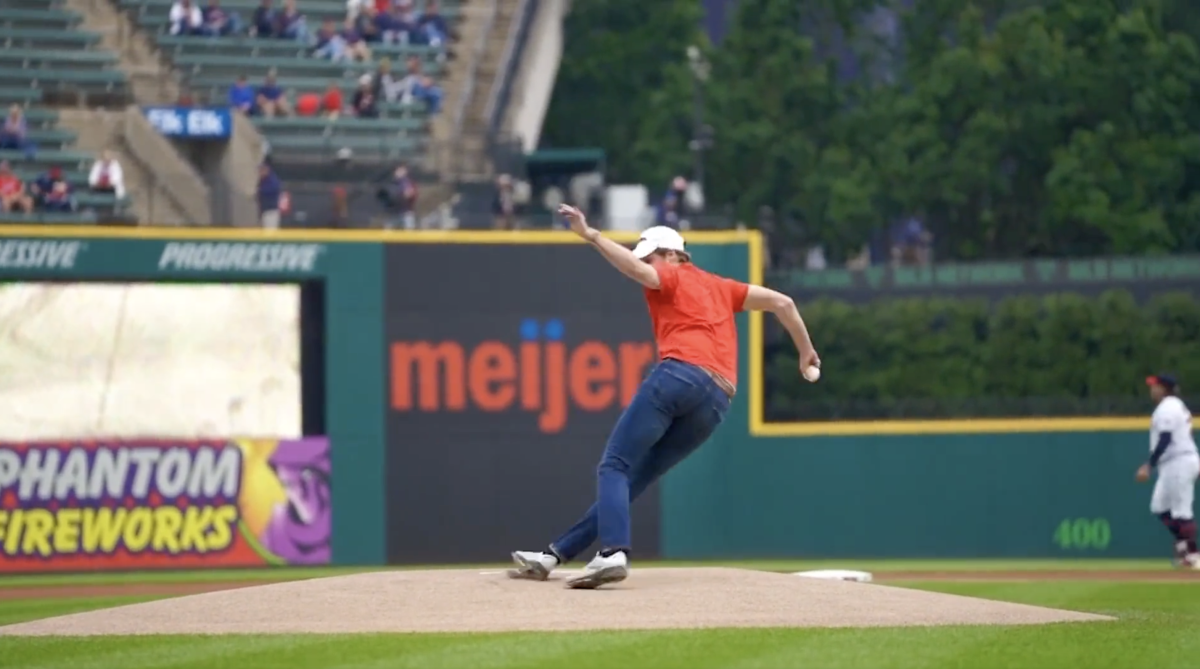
{"type": "Point", "coordinates": [471, 601]}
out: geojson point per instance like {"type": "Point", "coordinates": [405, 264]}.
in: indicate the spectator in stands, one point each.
{"type": "Point", "coordinates": [270, 191]}
{"type": "Point", "coordinates": [386, 25]}
{"type": "Point", "coordinates": [430, 93]}
{"type": "Point", "coordinates": [356, 47]}
{"type": "Point", "coordinates": [367, 25]}
{"type": "Point", "coordinates": [355, 8]}
{"type": "Point", "coordinates": [13, 196]}
{"type": "Point", "coordinates": [670, 210]}
{"type": "Point", "coordinates": [339, 211]}
{"type": "Point", "coordinates": [59, 198]}
{"type": "Point", "coordinates": [185, 18]}
{"type": "Point", "coordinates": [418, 87]}
{"type": "Point", "coordinates": [241, 96]}
{"type": "Point", "coordinates": [407, 11]}
{"type": "Point", "coordinates": [433, 28]}
{"type": "Point", "coordinates": [398, 26]}
{"type": "Point", "coordinates": [399, 196]}
{"type": "Point", "coordinates": [385, 85]}
{"type": "Point", "coordinates": [270, 98]}
{"type": "Point", "coordinates": [43, 184]}
{"type": "Point", "coordinates": [365, 103]}
{"type": "Point", "coordinates": [911, 242]}
{"type": "Point", "coordinates": [185, 99]}
{"type": "Point", "coordinates": [218, 22]}
{"type": "Point", "coordinates": [290, 23]}
{"type": "Point", "coordinates": [14, 135]}
{"type": "Point", "coordinates": [106, 176]}
{"type": "Point", "coordinates": [504, 208]}
{"type": "Point", "coordinates": [332, 103]}
{"type": "Point", "coordinates": [265, 18]}
{"type": "Point", "coordinates": [329, 43]}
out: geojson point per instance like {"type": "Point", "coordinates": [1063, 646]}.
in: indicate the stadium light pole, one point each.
{"type": "Point", "coordinates": [702, 134]}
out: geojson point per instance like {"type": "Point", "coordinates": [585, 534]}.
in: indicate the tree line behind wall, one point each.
{"type": "Point", "coordinates": [1012, 127]}
{"type": "Point", "coordinates": [1061, 354]}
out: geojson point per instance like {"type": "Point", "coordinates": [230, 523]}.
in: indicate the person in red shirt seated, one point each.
{"type": "Point", "coordinates": [13, 196]}
{"type": "Point", "coordinates": [332, 103]}
{"type": "Point", "coordinates": [682, 401]}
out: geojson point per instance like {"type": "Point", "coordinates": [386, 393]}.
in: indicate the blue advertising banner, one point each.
{"type": "Point", "coordinates": [191, 123]}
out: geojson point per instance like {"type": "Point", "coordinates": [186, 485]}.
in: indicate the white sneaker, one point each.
{"type": "Point", "coordinates": [1192, 561]}
{"type": "Point", "coordinates": [600, 571]}
{"type": "Point", "coordinates": [532, 565]}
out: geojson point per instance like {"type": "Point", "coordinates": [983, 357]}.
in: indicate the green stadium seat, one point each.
{"type": "Point", "coordinates": [44, 37]}
{"type": "Point", "coordinates": [79, 79]}
{"type": "Point", "coordinates": [220, 83]}
{"type": "Point", "coordinates": [66, 159]}
{"type": "Point", "coordinates": [363, 146]}
{"type": "Point", "coordinates": [292, 66]}
{"type": "Point", "coordinates": [38, 18]}
{"type": "Point", "coordinates": [50, 58]}
{"type": "Point", "coordinates": [49, 218]}
{"type": "Point", "coordinates": [46, 137]}
{"type": "Point", "coordinates": [37, 117]}
{"type": "Point", "coordinates": [275, 48]}
{"type": "Point", "coordinates": [19, 95]}
{"type": "Point", "coordinates": [86, 198]}
{"type": "Point", "coordinates": [28, 4]}
{"type": "Point", "coordinates": [345, 125]}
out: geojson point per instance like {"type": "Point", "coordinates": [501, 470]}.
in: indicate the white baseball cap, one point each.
{"type": "Point", "coordinates": [659, 237]}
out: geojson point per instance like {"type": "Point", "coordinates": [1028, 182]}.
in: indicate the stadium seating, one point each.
{"type": "Point", "coordinates": [65, 70]}
{"type": "Point", "coordinates": [209, 66]}
{"type": "Point", "coordinates": [46, 61]}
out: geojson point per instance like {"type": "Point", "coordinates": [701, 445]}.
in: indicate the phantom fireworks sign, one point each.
{"type": "Point", "coordinates": [164, 504]}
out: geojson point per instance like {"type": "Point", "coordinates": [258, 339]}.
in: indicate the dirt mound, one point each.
{"type": "Point", "coordinates": [471, 601]}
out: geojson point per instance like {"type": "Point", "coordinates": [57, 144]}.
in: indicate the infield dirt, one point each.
{"type": "Point", "coordinates": [474, 601]}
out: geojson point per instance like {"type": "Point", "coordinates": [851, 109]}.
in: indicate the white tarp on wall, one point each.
{"type": "Point", "coordinates": [147, 360]}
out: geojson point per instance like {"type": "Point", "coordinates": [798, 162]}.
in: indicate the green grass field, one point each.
{"type": "Point", "coordinates": [1158, 627]}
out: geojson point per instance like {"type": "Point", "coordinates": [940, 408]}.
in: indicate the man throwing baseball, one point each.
{"type": "Point", "coordinates": [680, 403]}
{"type": "Point", "coordinates": [1173, 453]}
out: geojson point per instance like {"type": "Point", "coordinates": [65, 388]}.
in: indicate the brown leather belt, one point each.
{"type": "Point", "coordinates": [722, 382]}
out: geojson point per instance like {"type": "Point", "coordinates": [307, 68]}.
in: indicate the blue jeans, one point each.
{"type": "Point", "coordinates": [676, 410]}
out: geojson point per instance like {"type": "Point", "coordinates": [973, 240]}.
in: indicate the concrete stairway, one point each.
{"type": "Point", "coordinates": [461, 153]}
{"type": "Point", "coordinates": [164, 188]}
{"type": "Point", "coordinates": [475, 160]}
{"type": "Point", "coordinates": [151, 78]}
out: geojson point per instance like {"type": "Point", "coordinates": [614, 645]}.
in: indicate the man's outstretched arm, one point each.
{"type": "Point", "coordinates": [765, 299]}
{"type": "Point", "coordinates": [618, 256]}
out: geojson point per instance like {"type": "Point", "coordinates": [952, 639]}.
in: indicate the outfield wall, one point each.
{"type": "Point", "coordinates": [467, 383]}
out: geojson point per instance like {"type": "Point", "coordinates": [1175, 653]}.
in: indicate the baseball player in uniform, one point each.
{"type": "Point", "coordinates": [1173, 453]}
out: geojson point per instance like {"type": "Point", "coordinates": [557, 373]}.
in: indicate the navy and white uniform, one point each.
{"type": "Point", "coordinates": [1173, 452]}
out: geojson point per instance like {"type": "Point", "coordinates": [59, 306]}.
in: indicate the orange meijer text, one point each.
{"type": "Point", "coordinates": [541, 377]}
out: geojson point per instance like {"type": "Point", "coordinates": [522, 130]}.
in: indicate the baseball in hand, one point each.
{"type": "Point", "coordinates": [812, 373]}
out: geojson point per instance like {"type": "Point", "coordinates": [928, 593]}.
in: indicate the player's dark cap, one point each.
{"type": "Point", "coordinates": [1167, 381]}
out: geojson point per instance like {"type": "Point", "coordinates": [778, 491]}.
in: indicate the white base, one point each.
{"type": "Point", "coordinates": [838, 575]}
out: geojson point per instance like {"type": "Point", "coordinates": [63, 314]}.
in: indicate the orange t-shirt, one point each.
{"type": "Point", "coordinates": [692, 313]}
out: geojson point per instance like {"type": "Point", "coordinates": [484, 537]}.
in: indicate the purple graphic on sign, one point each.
{"type": "Point", "coordinates": [300, 529]}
